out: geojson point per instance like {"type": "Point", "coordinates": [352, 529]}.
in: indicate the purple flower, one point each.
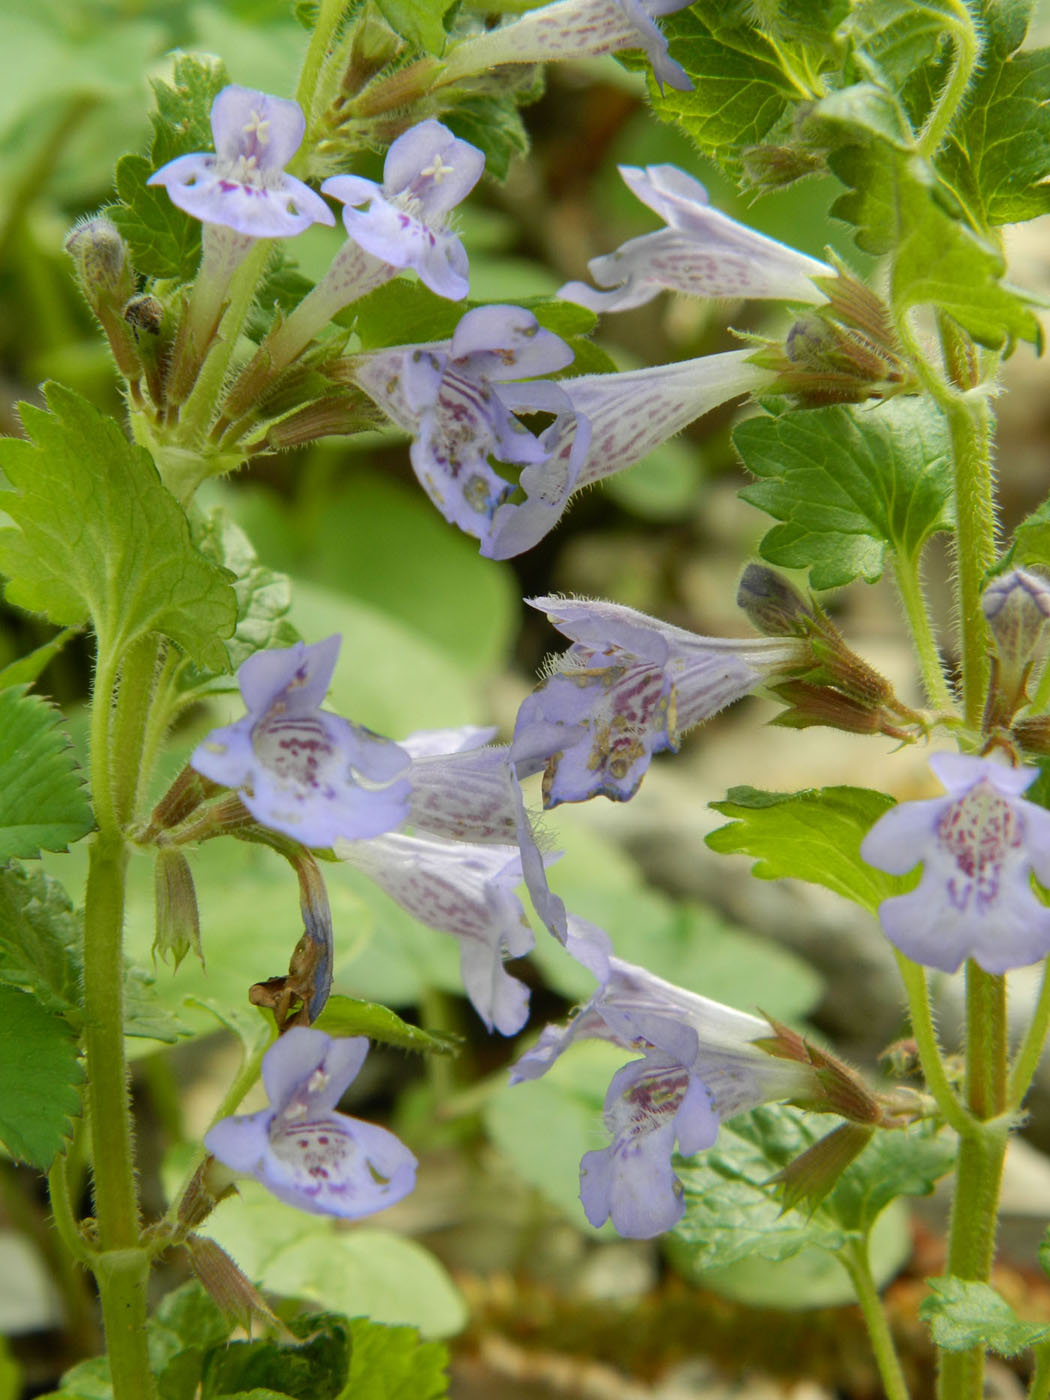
{"type": "Point", "coordinates": [428, 171]}
{"type": "Point", "coordinates": [464, 789]}
{"type": "Point", "coordinates": [702, 252]}
{"type": "Point", "coordinates": [699, 1066]}
{"type": "Point", "coordinates": [299, 1148]}
{"type": "Point", "coordinates": [468, 891]}
{"type": "Point", "coordinates": [980, 844]}
{"type": "Point", "coordinates": [574, 29]}
{"type": "Point", "coordinates": [457, 400]}
{"type": "Point", "coordinates": [626, 689]}
{"type": "Point", "coordinates": [299, 769]}
{"type": "Point", "coordinates": [244, 185]}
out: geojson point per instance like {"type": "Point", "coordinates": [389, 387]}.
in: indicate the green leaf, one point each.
{"type": "Point", "coordinates": [734, 1208]}
{"type": "Point", "coordinates": [1031, 542]}
{"type": "Point", "coordinates": [997, 155]}
{"type": "Point", "coordinates": [740, 89]}
{"type": "Point", "coordinates": [963, 1314]}
{"type": "Point", "coordinates": [186, 1325]}
{"type": "Point", "coordinates": [392, 1363]}
{"type": "Point", "coordinates": [102, 537]}
{"type": "Point", "coordinates": [494, 124]}
{"type": "Point", "coordinates": [39, 938]}
{"type": "Point", "coordinates": [346, 1016]}
{"type": "Point", "coordinates": [263, 596]}
{"type": "Point", "coordinates": [39, 1074]}
{"type": "Point", "coordinates": [813, 835]}
{"type": "Point", "coordinates": [28, 668]}
{"type": "Point", "coordinates": [849, 485]}
{"type": "Point", "coordinates": [315, 1369]}
{"type": "Point", "coordinates": [364, 1271]}
{"type": "Point", "coordinates": [418, 21]}
{"type": "Point", "coordinates": [164, 241]}
{"type": "Point", "coordinates": [42, 800]}
{"type": "Point", "coordinates": [938, 261]}
{"type": "Point", "coordinates": [900, 36]}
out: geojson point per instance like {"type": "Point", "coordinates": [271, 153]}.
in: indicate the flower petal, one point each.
{"type": "Point", "coordinates": [254, 125]}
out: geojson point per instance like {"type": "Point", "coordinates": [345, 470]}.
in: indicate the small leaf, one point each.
{"type": "Point", "coordinates": [849, 485]}
{"type": "Point", "coordinates": [28, 668]}
{"type": "Point", "coordinates": [346, 1016]}
{"type": "Point", "coordinates": [896, 205]}
{"type": "Point", "coordinates": [39, 1074]}
{"type": "Point", "coordinates": [962, 1314]}
{"type": "Point", "coordinates": [101, 537]}
{"type": "Point", "coordinates": [263, 596]}
{"type": "Point", "coordinates": [494, 124]}
{"type": "Point", "coordinates": [418, 21]}
{"type": "Point", "coordinates": [316, 1369]}
{"type": "Point", "coordinates": [813, 835]}
{"type": "Point", "coordinates": [393, 1363]}
{"type": "Point", "coordinates": [42, 799]}
{"type": "Point", "coordinates": [39, 938]}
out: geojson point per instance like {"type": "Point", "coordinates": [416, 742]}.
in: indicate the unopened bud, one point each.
{"type": "Point", "coordinates": [773, 605]}
{"type": "Point", "coordinates": [1017, 606]}
{"type": "Point", "coordinates": [178, 929]}
{"type": "Point", "coordinates": [100, 257]}
{"type": "Point", "coordinates": [810, 705]}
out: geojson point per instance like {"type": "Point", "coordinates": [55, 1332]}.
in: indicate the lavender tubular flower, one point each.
{"type": "Point", "coordinates": [699, 1066]}
{"type": "Point", "coordinates": [244, 185]}
{"type": "Point", "coordinates": [428, 171]}
{"type": "Point", "coordinates": [980, 845]}
{"type": "Point", "coordinates": [468, 891]}
{"type": "Point", "coordinates": [299, 769]}
{"type": "Point", "coordinates": [574, 29]}
{"type": "Point", "coordinates": [626, 689]}
{"type": "Point", "coordinates": [457, 400]}
{"type": "Point", "coordinates": [299, 1148]}
{"type": "Point", "coordinates": [465, 790]}
{"type": "Point", "coordinates": [702, 252]}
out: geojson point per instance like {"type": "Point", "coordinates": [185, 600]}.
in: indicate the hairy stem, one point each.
{"type": "Point", "coordinates": [967, 52]}
{"type": "Point", "coordinates": [906, 573]}
{"type": "Point", "coordinates": [975, 1206]}
{"type": "Point", "coordinates": [855, 1259]}
{"type": "Point", "coordinates": [914, 978]}
{"type": "Point", "coordinates": [1028, 1056]}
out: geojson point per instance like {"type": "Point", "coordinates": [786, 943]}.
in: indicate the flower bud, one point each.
{"type": "Point", "coordinates": [230, 1289]}
{"type": "Point", "coordinates": [178, 923]}
{"type": "Point", "coordinates": [1017, 606]}
{"type": "Point", "coordinates": [773, 605]}
{"type": "Point", "coordinates": [100, 257]}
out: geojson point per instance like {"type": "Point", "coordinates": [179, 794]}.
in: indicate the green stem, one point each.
{"type": "Point", "coordinates": [199, 409]}
{"type": "Point", "coordinates": [978, 1173]}
{"type": "Point", "coordinates": [969, 424]}
{"type": "Point", "coordinates": [158, 720]}
{"type": "Point", "coordinates": [99, 743]}
{"type": "Point", "coordinates": [1040, 1386]}
{"type": "Point", "coordinates": [62, 1214]}
{"type": "Point", "coordinates": [1028, 1056]}
{"type": "Point", "coordinates": [121, 1266]}
{"type": "Point", "coordinates": [855, 1259]}
{"type": "Point", "coordinates": [331, 12]}
{"type": "Point", "coordinates": [914, 978]}
{"type": "Point", "coordinates": [137, 678]}
{"type": "Point", "coordinates": [967, 52]}
{"type": "Point", "coordinates": [906, 572]}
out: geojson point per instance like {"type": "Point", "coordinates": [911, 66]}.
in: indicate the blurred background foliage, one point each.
{"type": "Point", "coordinates": [434, 635]}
